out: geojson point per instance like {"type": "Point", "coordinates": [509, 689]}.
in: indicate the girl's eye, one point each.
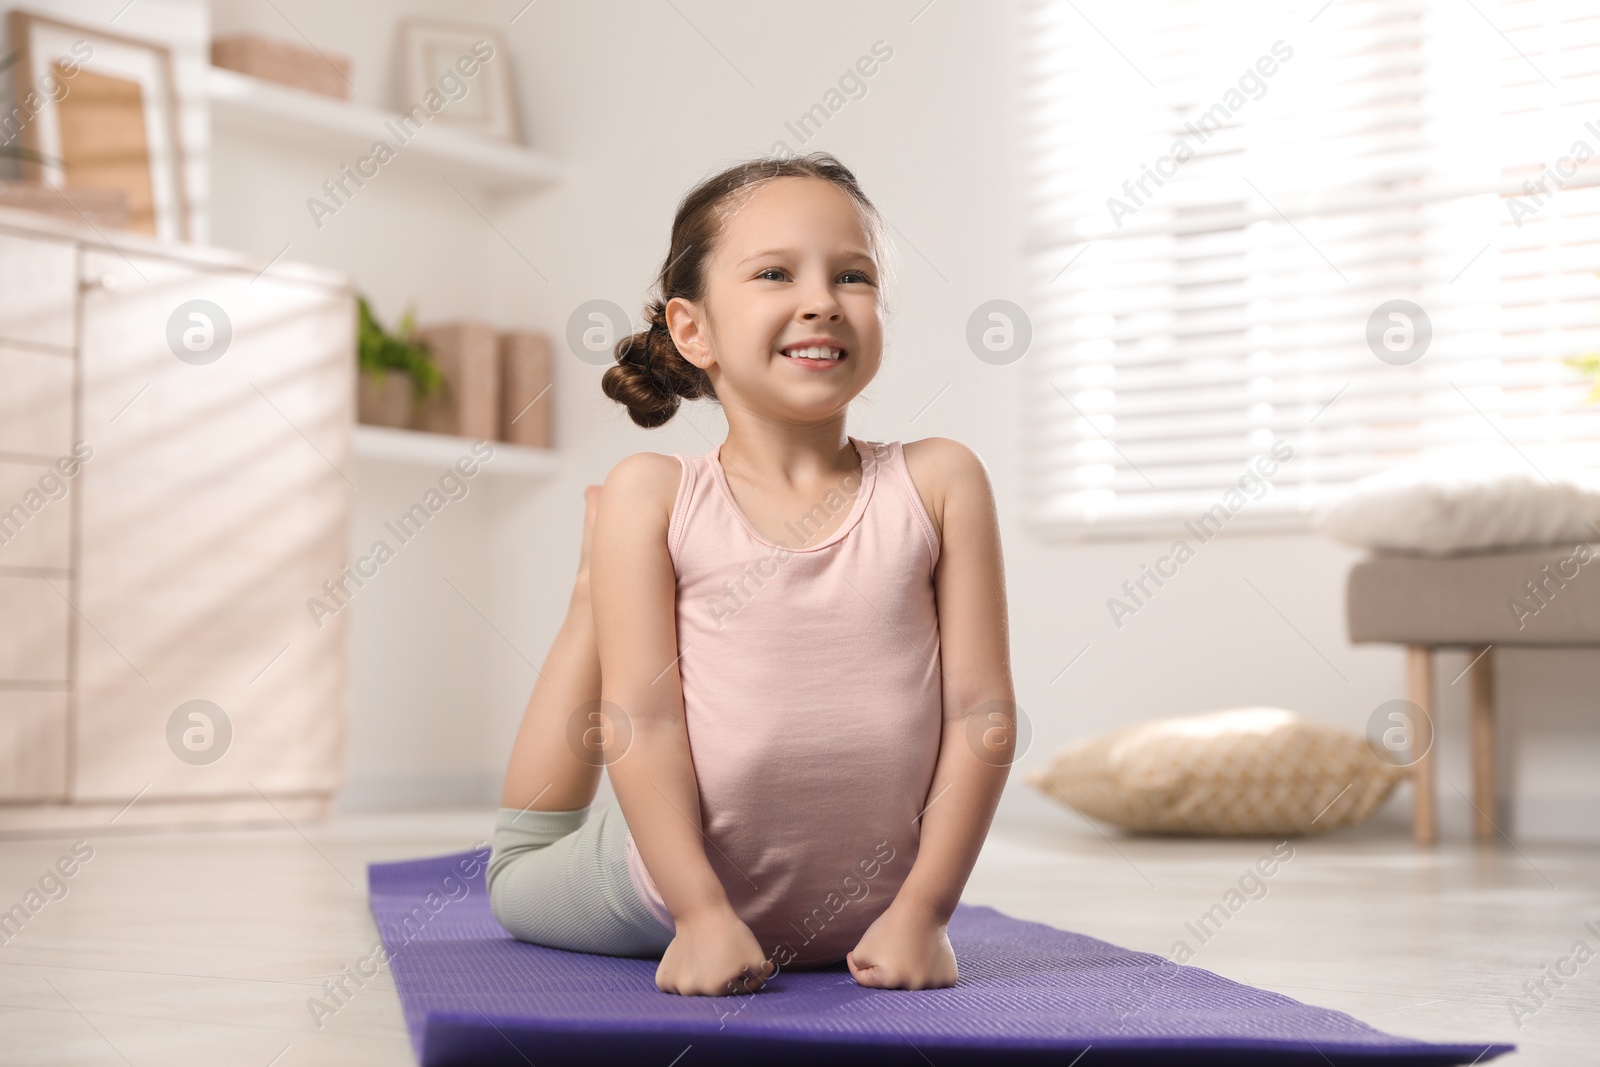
{"type": "Point", "coordinates": [856, 274]}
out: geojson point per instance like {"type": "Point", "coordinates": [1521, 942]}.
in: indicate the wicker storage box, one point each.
{"type": "Point", "coordinates": [284, 63]}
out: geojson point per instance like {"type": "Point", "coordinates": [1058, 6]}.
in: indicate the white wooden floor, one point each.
{"type": "Point", "coordinates": [203, 948]}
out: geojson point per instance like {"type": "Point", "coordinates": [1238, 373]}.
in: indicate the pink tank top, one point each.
{"type": "Point", "coordinates": [812, 696]}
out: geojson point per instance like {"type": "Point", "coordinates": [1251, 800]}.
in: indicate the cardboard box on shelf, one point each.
{"type": "Point", "coordinates": [526, 399]}
{"type": "Point", "coordinates": [468, 357]}
{"type": "Point", "coordinates": [283, 62]}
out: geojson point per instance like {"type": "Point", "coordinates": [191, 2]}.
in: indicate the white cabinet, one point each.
{"type": "Point", "coordinates": [209, 499]}
{"type": "Point", "coordinates": [37, 290]}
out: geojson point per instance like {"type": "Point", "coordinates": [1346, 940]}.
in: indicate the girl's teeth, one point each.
{"type": "Point", "coordinates": [813, 353]}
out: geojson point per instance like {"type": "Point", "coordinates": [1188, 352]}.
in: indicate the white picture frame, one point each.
{"type": "Point", "coordinates": [431, 51]}
{"type": "Point", "coordinates": [149, 64]}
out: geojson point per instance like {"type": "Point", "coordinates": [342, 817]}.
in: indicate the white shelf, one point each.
{"type": "Point", "coordinates": [438, 451]}
{"type": "Point", "coordinates": [260, 108]}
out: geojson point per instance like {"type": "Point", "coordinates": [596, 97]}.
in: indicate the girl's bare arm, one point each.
{"type": "Point", "coordinates": [908, 946]}
{"type": "Point", "coordinates": [979, 738]}
{"type": "Point", "coordinates": [634, 590]}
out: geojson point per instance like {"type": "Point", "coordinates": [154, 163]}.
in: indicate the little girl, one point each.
{"type": "Point", "coordinates": [790, 652]}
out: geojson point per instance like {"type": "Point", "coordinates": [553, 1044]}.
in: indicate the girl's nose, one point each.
{"type": "Point", "coordinates": [822, 307]}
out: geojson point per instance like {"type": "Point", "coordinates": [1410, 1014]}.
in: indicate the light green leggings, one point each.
{"type": "Point", "coordinates": [560, 881]}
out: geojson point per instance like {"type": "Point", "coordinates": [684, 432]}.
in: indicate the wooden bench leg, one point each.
{"type": "Point", "coordinates": [1483, 744]}
{"type": "Point", "coordinates": [1419, 686]}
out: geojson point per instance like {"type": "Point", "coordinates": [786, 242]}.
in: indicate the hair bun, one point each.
{"type": "Point", "coordinates": [651, 377]}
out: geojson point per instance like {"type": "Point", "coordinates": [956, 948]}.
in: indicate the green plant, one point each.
{"type": "Point", "coordinates": [1589, 365]}
{"type": "Point", "coordinates": [379, 351]}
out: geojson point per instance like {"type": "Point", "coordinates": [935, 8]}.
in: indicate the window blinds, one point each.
{"type": "Point", "coordinates": [1227, 197]}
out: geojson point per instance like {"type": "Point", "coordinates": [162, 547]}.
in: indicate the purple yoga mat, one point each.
{"type": "Point", "coordinates": [1028, 993]}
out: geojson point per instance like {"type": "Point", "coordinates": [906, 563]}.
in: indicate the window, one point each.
{"type": "Point", "coordinates": [1228, 200]}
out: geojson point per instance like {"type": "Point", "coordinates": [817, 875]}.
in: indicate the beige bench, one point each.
{"type": "Point", "coordinates": [1471, 602]}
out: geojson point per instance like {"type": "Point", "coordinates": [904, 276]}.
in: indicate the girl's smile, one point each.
{"type": "Point", "coordinates": [814, 354]}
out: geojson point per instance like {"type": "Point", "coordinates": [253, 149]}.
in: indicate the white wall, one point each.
{"type": "Point", "coordinates": [637, 104]}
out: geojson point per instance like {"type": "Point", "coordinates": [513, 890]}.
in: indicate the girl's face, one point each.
{"type": "Point", "coordinates": [792, 270]}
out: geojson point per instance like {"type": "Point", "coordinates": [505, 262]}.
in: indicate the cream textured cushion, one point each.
{"type": "Point", "coordinates": [1468, 500]}
{"type": "Point", "coordinates": [1260, 771]}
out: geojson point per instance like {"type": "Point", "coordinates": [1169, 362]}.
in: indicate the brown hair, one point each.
{"type": "Point", "coordinates": [651, 376]}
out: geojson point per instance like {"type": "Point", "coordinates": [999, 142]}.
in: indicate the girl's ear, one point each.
{"type": "Point", "coordinates": [685, 322]}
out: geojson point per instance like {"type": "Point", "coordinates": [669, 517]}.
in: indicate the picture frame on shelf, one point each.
{"type": "Point", "coordinates": [100, 112]}
{"type": "Point", "coordinates": [469, 66]}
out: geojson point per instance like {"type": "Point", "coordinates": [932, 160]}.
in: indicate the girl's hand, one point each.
{"type": "Point", "coordinates": [904, 948]}
{"type": "Point", "coordinates": [714, 954]}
